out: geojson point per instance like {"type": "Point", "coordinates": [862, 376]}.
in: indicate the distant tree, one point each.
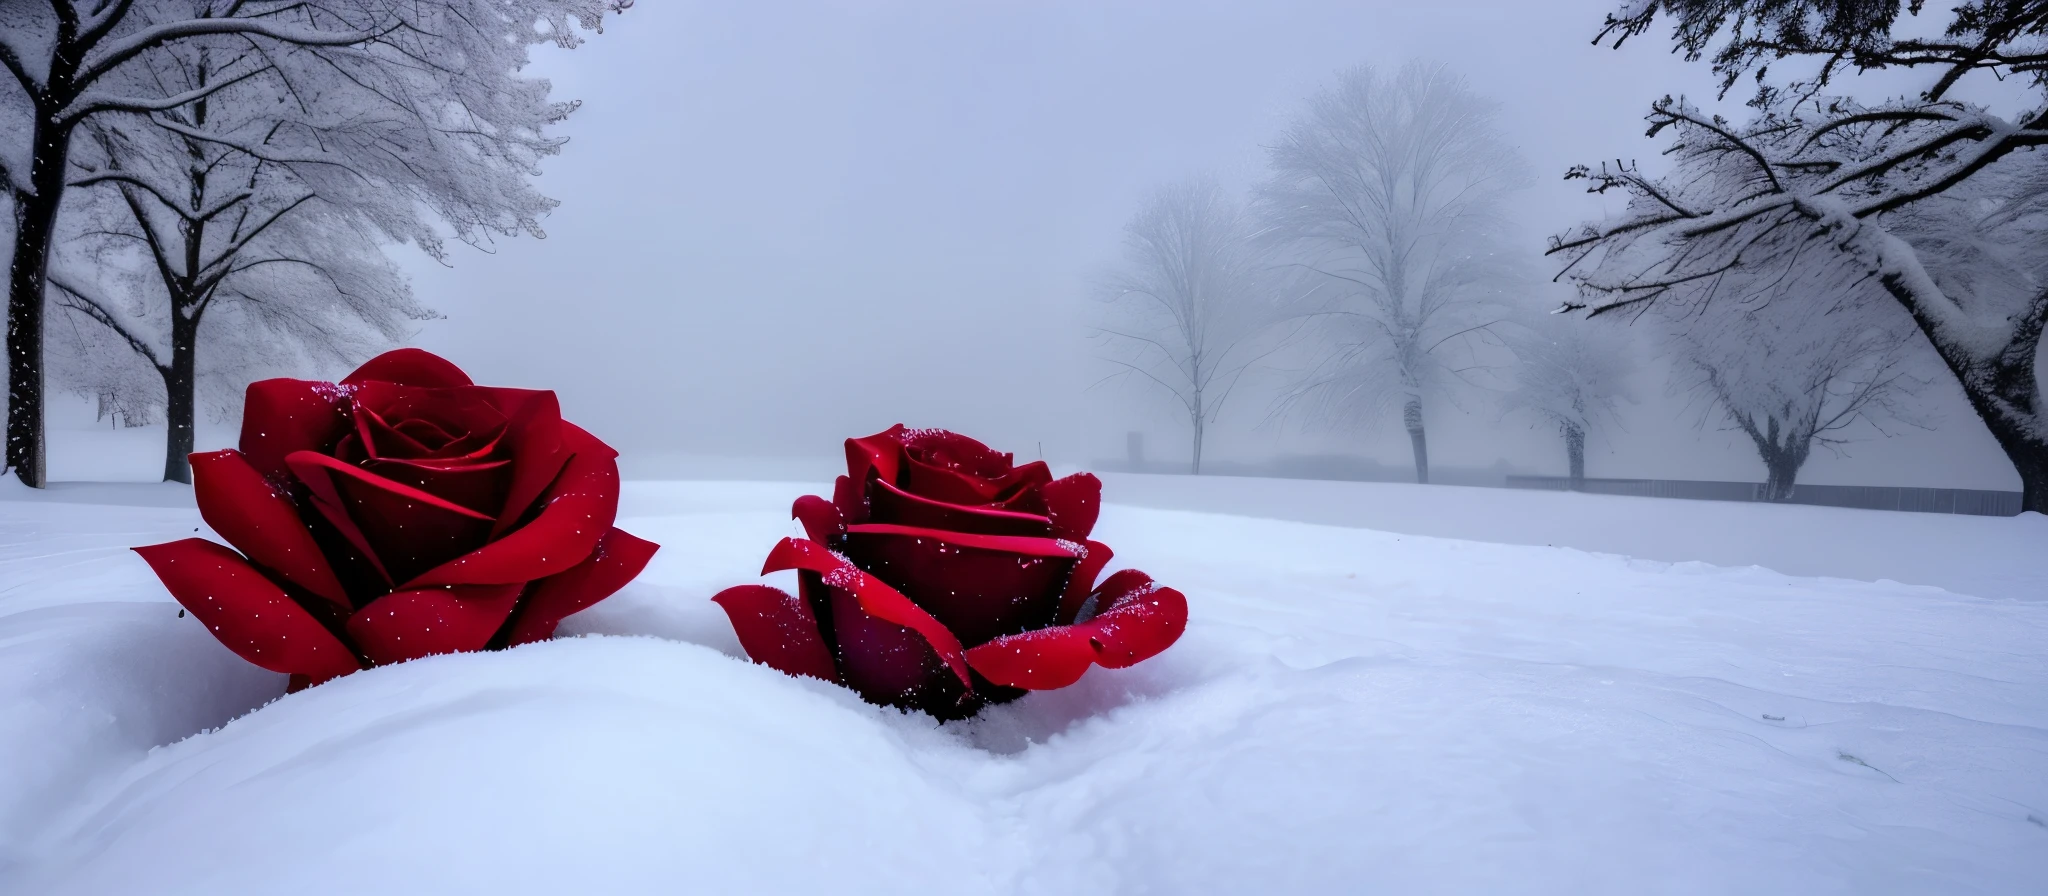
{"type": "Point", "coordinates": [1194, 302]}
{"type": "Point", "coordinates": [1938, 202]}
{"type": "Point", "coordinates": [1388, 190]}
{"type": "Point", "coordinates": [371, 74]}
{"type": "Point", "coordinates": [1795, 363]}
{"type": "Point", "coordinates": [1569, 376]}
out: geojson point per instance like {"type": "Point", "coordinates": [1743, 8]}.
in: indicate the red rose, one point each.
{"type": "Point", "coordinates": [400, 513]}
{"type": "Point", "coordinates": [944, 578]}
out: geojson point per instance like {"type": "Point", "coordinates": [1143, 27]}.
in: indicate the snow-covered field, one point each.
{"type": "Point", "coordinates": [1351, 711]}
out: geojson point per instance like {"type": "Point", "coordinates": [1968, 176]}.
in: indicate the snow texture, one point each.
{"type": "Point", "coordinates": [1350, 711]}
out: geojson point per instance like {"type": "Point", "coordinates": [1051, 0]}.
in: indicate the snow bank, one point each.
{"type": "Point", "coordinates": [1350, 711]}
{"type": "Point", "coordinates": [1984, 556]}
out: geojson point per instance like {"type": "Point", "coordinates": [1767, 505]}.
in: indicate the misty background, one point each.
{"type": "Point", "coordinates": [785, 224]}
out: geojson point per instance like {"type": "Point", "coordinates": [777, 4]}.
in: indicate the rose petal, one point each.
{"type": "Point", "coordinates": [891, 664]}
{"type": "Point", "coordinates": [948, 450]}
{"type": "Point", "coordinates": [1012, 544]}
{"type": "Point", "coordinates": [948, 486]}
{"type": "Point", "coordinates": [247, 510]}
{"type": "Point", "coordinates": [540, 444]}
{"type": "Point", "coordinates": [424, 433]}
{"type": "Point", "coordinates": [409, 367]}
{"type": "Point", "coordinates": [1138, 620]}
{"type": "Point", "coordinates": [881, 453]}
{"type": "Point", "coordinates": [407, 625]}
{"type": "Point", "coordinates": [978, 586]}
{"type": "Point", "coordinates": [874, 598]}
{"type": "Point", "coordinates": [381, 439]}
{"type": "Point", "coordinates": [889, 504]}
{"type": "Point", "coordinates": [577, 509]}
{"type": "Point", "coordinates": [1095, 558]}
{"type": "Point", "coordinates": [247, 612]}
{"type": "Point", "coordinates": [618, 558]}
{"type": "Point", "coordinates": [454, 411]}
{"type": "Point", "coordinates": [850, 497]}
{"type": "Point", "coordinates": [820, 519]}
{"type": "Point", "coordinates": [478, 487]}
{"type": "Point", "coordinates": [282, 416]}
{"type": "Point", "coordinates": [778, 630]}
{"type": "Point", "coordinates": [406, 531]}
{"type": "Point", "coordinates": [1072, 503]}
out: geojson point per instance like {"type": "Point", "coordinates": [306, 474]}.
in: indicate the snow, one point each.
{"type": "Point", "coordinates": [1351, 710]}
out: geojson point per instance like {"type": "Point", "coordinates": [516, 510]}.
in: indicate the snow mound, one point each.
{"type": "Point", "coordinates": [1350, 711]}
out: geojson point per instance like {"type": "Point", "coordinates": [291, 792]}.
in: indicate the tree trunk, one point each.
{"type": "Point", "coordinates": [2032, 463]}
{"type": "Point", "coordinates": [179, 389]}
{"type": "Point", "coordinates": [2027, 451]}
{"type": "Point", "coordinates": [35, 221]}
{"type": "Point", "coordinates": [2003, 389]}
{"type": "Point", "coordinates": [1779, 479]}
{"type": "Point", "coordinates": [1575, 455]}
{"type": "Point", "coordinates": [1411, 416]}
{"type": "Point", "coordinates": [1197, 466]}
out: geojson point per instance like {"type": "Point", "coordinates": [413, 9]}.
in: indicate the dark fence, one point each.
{"type": "Point", "coordinates": [1977, 502]}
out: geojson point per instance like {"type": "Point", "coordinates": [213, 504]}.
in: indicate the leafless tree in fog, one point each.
{"type": "Point", "coordinates": [1388, 190]}
{"type": "Point", "coordinates": [1795, 363]}
{"type": "Point", "coordinates": [1195, 302]}
{"type": "Point", "coordinates": [1569, 376]}
{"type": "Point", "coordinates": [1937, 202]}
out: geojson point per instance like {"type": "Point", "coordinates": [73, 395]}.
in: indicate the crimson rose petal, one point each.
{"type": "Point", "coordinates": [1072, 504]}
{"type": "Point", "coordinates": [617, 559]}
{"type": "Point", "coordinates": [875, 598]}
{"type": "Point", "coordinates": [778, 630]}
{"type": "Point", "coordinates": [890, 664]}
{"type": "Point", "coordinates": [1095, 558]}
{"type": "Point", "coordinates": [409, 367]}
{"type": "Point", "coordinates": [542, 444]}
{"type": "Point", "coordinates": [577, 510]}
{"type": "Point", "coordinates": [978, 586]}
{"type": "Point", "coordinates": [413, 530]}
{"type": "Point", "coordinates": [889, 504]}
{"type": "Point", "coordinates": [881, 453]}
{"type": "Point", "coordinates": [1138, 619]}
{"type": "Point", "coordinates": [822, 522]}
{"type": "Point", "coordinates": [248, 511]}
{"type": "Point", "coordinates": [247, 612]}
{"type": "Point", "coordinates": [282, 416]}
{"type": "Point", "coordinates": [407, 625]}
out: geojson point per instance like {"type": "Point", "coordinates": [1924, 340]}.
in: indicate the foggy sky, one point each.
{"type": "Point", "coordinates": [785, 224]}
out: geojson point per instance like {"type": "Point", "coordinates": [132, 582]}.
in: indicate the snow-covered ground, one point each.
{"type": "Point", "coordinates": [1352, 710]}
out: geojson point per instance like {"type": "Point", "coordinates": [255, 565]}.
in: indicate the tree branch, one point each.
{"type": "Point", "coordinates": [159, 35]}
{"type": "Point", "coordinates": [91, 102]}
{"type": "Point", "coordinates": [91, 308]}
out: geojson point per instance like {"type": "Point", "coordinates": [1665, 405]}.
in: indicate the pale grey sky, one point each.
{"type": "Point", "coordinates": [787, 223]}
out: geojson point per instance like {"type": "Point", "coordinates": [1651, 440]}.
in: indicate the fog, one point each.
{"type": "Point", "coordinates": [782, 225]}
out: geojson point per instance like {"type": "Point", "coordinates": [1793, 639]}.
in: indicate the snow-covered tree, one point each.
{"type": "Point", "coordinates": [363, 78]}
{"type": "Point", "coordinates": [1195, 302]}
{"type": "Point", "coordinates": [1570, 376]}
{"type": "Point", "coordinates": [1795, 360]}
{"type": "Point", "coordinates": [1936, 201]}
{"type": "Point", "coordinates": [1388, 190]}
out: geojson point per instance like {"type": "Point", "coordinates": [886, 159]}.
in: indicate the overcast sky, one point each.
{"type": "Point", "coordinates": [786, 223]}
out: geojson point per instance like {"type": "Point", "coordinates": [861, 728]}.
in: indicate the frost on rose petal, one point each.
{"type": "Point", "coordinates": [845, 577]}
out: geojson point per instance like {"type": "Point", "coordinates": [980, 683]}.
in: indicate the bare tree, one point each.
{"type": "Point", "coordinates": [1569, 376]}
{"type": "Point", "coordinates": [1389, 191]}
{"type": "Point", "coordinates": [1195, 302]}
{"type": "Point", "coordinates": [1938, 202]}
{"type": "Point", "coordinates": [1796, 362]}
{"type": "Point", "coordinates": [74, 61]}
